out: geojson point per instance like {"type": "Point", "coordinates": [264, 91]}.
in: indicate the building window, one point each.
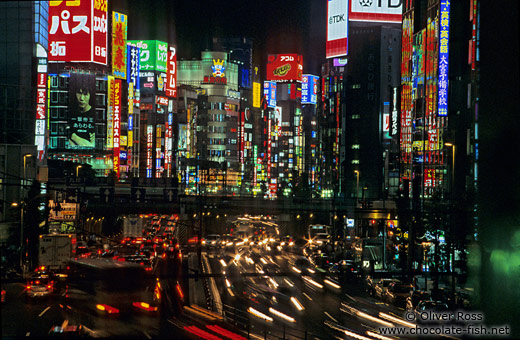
{"type": "Point", "coordinates": [355, 146]}
{"type": "Point", "coordinates": [54, 128]}
{"type": "Point", "coordinates": [356, 116]}
{"type": "Point", "coordinates": [54, 142]}
{"type": "Point", "coordinates": [61, 142]}
{"type": "Point", "coordinates": [100, 115]}
{"type": "Point", "coordinates": [355, 161]}
{"type": "Point", "coordinates": [62, 111]}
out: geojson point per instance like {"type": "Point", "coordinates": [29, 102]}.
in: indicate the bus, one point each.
{"type": "Point", "coordinates": [315, 229]}
{"type": "Point", "coordinates": [108, 286]}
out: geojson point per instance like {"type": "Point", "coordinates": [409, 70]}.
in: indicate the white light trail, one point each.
{"type": "Point", "coordinates": [259, 314]}
{"type": "Point", "coordinates": [332, 284]}
{"type": "Point", "coordinates": [297, 303]}
{"type": "Point", "coordinates": [396, 320]}
{"type": "Point", "coordinates": [281, 315]}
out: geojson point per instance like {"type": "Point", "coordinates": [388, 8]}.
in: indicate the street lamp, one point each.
{"type": "Point", "coordinates": [357, 184]}
{"type": "Point", "coordinates": [21, 205]}
{"type": "Point", "coordinates": [77, 170]}
{"type": "Point", "coordinates": [452, 164]}
{"type": "Point", "coordinates": [24, 172]}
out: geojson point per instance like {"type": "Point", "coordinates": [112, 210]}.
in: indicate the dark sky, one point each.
{"type": "Point", "coordinates": [282, 26]}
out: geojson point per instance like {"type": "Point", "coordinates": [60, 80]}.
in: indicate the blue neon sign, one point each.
{"type": "Point", "coordinates": [444, 39]}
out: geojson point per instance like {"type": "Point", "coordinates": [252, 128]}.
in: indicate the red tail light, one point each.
{"type": "Point", "coordinates": [107, 308]}
{"type": "Point", "coordinates": [144, 306]}
{"type": "Point", "coordinates": [181, 294]}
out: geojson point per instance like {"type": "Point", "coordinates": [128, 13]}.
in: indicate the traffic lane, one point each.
{"type": "Point", "coordinates": [310, 320]}
{"type": "Point", "coordinates": [80, 308]}
{"type": "Point", "coordinates": [28, 319]}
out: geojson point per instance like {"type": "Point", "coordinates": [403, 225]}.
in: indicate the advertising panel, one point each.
{"type": "Point", "coordinates": [171, 73]}
{"type": "Point", "coordinates": [82, 111]}
{"type": "Point", "coordinates": [119, 34]}
{"type": "Point", "coordinates": [338, 62]}
{"type": "Point", "coordinates": [41, 102]}
{"type": "Point", "coordinates": [153, 54]}
{"type": "Point", "coordinates": [110, 112]}
{"type": "Point", "coordinates": [216, 74]}
{"type": "Point", "coordinates": [149, 146]}
{"type": "Point", "coordinates": [270, 93]}
{"type": "Point", "coordinates": [376, 11]}
{"type": "Point", "coordinates": [256, 94]}
{"type": "Point", "coordinates": [337, 28]}
{"type": "Point", "coordinates": [444, 40]}
{"type": "Point", "coordinates": [78, 31]}
{"type": "Point", "coordinates": [309, 89]}
{"type": "Point", "coordinates": [284, 67]}
{"type": "Point", "coordinates": [133, 65]}
{"type": "Point", "coordinates": [117, 123]}
{"type": "Point", "coordinates": [182, 143]}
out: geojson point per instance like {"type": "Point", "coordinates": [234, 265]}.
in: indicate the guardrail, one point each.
{"type": "Point", "coordinates": [255, 328]}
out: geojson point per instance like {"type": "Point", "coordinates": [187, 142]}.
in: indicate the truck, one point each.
{"type": "Point", "coordinates": [132, 226]}
{"type": "Point", "coordinates": [56, 250]}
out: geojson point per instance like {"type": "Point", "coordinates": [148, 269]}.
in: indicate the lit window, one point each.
{"type": "Point", "coordinates": [355, 146]}
{"type": "Point", "coordinates": [355, 161]}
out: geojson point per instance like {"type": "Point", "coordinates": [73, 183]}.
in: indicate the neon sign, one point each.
{"type": "Point", "coordinates": [444, 39]}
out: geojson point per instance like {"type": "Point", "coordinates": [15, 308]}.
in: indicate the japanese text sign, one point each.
{"type": "Point", "coordinates": [119, 33]}
{"type": "Point", "coordinates": [78, 31]}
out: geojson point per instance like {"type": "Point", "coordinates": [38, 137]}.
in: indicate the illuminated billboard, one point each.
{"type": "Point", "coordinates": [182, 143]}
{"type": "Point", "coordinates": [117, 123]}
{"type": "Point", "coordinates": [338, 62]}
{"type": "Point", "coordinates": [444, 40]}
{"type": "Point", "coordinates": [337, 28]}
{"type": "Point", "coordinates": [270, 93]}
{"type": "Point", "coordinates": [78, 31]}
{"type": "Point", "coordinates": [153, 56]}
{"type": "Point", "coordinates": [119, 33]}
{"type": "Point", "coordinates": [133, 66]}
{"type": "Point", "coordinates": [41, 102]}
{"type": "Point", "coordinates": [149, 146]}
{"type": "Point", "coordinates": [376, 11]}
{"type": "Point", "coordinates": [256, 94]}
{"type": "Point", "coordinates": [284, 67]}
{"type": "Point", "coordinates": [82, 111]}
{"type": "Point", "coordinates": [309, 89]}
{"type": "Point", "coordinates": [171, 73]}
{"type": "Point", "coordinates": [110, 112]}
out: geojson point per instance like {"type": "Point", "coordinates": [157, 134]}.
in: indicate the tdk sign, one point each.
{"type": "Point", "coordinates": [336, 18]}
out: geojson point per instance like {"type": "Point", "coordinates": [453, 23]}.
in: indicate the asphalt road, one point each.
{"type": "Point", "coordinates": [328, 311]}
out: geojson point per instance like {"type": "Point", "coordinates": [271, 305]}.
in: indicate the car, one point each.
{"type": "Point", "coordinates": [397, 293]}
{"type": "Point", "coordinates": [67, 331]}
{"type": "Point", "coordinates": [213, 241]}
{"type": "Point", "coordinates": [321, 261]}
{"type": "Point", "coordinates": [345, 270]}
{"type": "Point", "coordinates": [429, 306]}
{"type": "Point", "coordinates": [381, 287]}
{"type": "Point", "coordinates": [301, 265]}
{"type": "Point", "coordinates": [370, 285]}
{"type": "Point", "coordinates": [38, 287]}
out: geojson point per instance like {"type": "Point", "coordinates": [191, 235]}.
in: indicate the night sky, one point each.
{"type": "Point", "coordinates": [288, 26]}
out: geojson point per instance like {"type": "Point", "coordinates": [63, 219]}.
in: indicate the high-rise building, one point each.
{"type": "Point", "coordinates": [439, 120]}
{"type": "Point", "coordinates": [217, 145]}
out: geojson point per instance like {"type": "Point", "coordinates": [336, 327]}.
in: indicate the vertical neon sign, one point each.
{"type": "Point", "coordinates": [444, 39]}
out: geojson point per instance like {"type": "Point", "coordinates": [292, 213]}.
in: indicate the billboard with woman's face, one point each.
{"type": "Point", "coordinates": [82, 111]}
